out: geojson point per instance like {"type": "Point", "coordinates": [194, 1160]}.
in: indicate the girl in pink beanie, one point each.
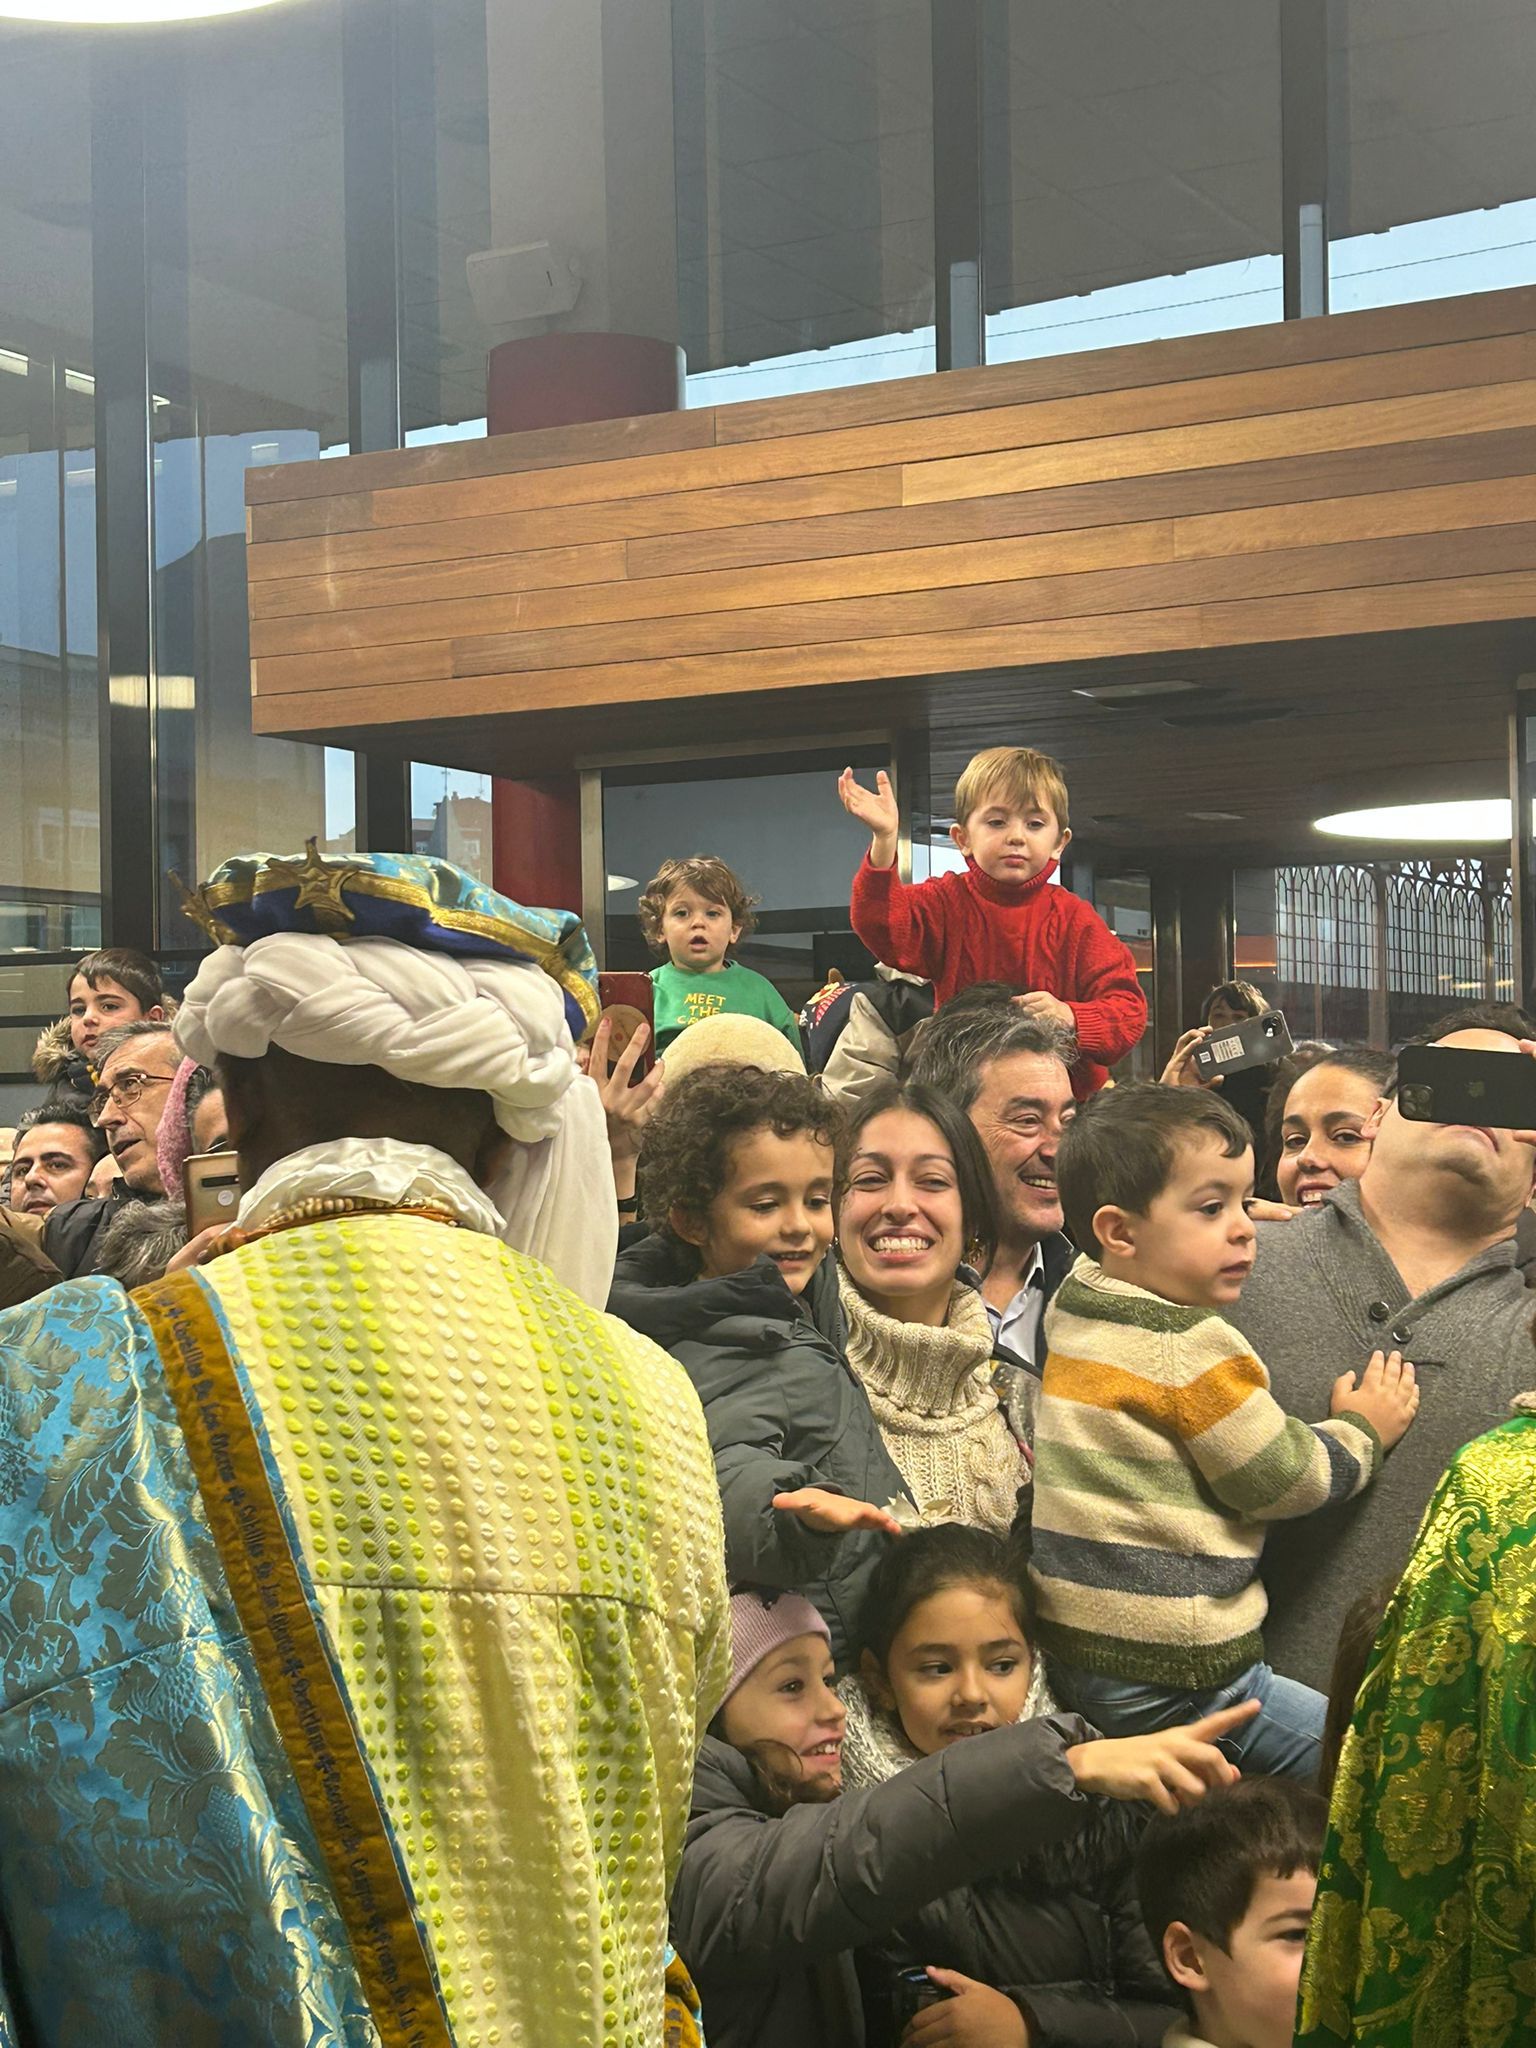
{"type": "Point", "coordinates": [784, 1875]}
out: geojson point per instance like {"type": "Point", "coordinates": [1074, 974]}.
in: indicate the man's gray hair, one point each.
{"type": "Point", "coordinates": [981, 1024]}
{"type": "Point", "coordinates": [112, 1042]}
{"type": "Point", "coordinates": [139, 1242]}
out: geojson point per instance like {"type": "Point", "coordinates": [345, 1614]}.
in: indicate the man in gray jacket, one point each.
{"type": "Point", "coordinates": [1417, 1255]}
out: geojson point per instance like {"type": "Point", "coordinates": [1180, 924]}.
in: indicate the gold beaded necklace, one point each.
{"type": "Point", "coordinates": [322, 1208]}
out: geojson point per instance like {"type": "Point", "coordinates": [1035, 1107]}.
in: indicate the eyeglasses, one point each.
{"type": "Point", "coordinates": [124, 1091]}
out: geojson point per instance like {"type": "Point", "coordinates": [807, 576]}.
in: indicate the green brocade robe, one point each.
{"type": "Point", "coordinates": [1424, 1935]}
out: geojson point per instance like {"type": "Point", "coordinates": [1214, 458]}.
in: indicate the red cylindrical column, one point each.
{"type": "Point", "coordinates": [559, 380]}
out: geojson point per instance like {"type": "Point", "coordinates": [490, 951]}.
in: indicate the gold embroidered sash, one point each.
{"type": "Point", "coordinates": [298, 1673]}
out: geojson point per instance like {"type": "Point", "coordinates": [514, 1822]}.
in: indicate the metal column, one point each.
{"type": "Point", "coordinates": [371, 171]}
{"type": "Point", "coordinates": [124, 477]}
{"type": "Point", "coordinates": [1306, 87]}
{"type": "Point", "coordinates": [959, 299]}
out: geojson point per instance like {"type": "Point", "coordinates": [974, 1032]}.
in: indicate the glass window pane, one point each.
{"type": "Point", "coordinates": [1133, 171]}
{"type": "Point", "coordinates": [451, 817]}
{"type": "Point", "coordinates": [249, 368]}
{"type": "Point", "coordinates": [1437, 193]}
{"type": "Point", "coordinates": [784, 833]}
{"type": "Point", "coordinates": [445, 217]}
{"type": "Point", "coordinates": [50, 849]}
{"type": "Point", "coordinates": [1373, 952]}
{"type": "Point", "coordinates": [1124, 901]}
{"type": "Point", "coordinates": [804, 147]}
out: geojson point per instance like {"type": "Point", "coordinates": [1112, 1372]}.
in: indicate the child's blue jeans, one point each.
{"type": "Point", "coordinates": [1282, 1741]}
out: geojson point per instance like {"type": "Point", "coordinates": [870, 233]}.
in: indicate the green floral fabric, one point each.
{"type": "Point", "coordinates": [1424, 1935]}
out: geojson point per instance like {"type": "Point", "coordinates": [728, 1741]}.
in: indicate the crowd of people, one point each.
{"type": "Point", "coordinates": [858, 1529]}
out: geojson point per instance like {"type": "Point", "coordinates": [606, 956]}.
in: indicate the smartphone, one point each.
{"type": "Point", "coordinates": [211, 1183]}
{"type": "Point", "coordinates": [1448, 1084]}
{"type": "Point", "coordinates": [628, 1001]}
{"type": "Point", "coordinates": [911, 1990]}
{"type": "Point", "coordinates": [1257, 1042]}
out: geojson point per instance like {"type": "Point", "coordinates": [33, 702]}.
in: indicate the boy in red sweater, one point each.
{"type": "Point", "coordinates": [1001, 920]}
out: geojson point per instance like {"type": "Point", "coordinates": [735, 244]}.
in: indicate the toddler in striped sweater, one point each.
{"type": "Point", "coordinates": [1160, 1452]}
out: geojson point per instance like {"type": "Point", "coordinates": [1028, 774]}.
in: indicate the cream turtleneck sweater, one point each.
{"type": "Point", "coordinates": [931, 1391]}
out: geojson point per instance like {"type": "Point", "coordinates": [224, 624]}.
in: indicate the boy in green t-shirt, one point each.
{"type": "Point", "coordinates": [694, 911]}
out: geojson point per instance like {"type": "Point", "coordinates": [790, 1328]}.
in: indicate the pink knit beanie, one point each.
{"type": "Point", "coordinates": [173, 1145]}
{"type": "Point", "coordinates": [761, 1623]}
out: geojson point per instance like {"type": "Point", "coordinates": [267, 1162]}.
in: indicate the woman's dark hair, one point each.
{"type": "Point", "coordinates": [686, 1157]}
{"type": "Point", "coordinates": [929, 1561]}
{"type": "Point", "coordinates": [973, 1171]}
{"type": "Point", "coordinates": [1357, 1637]}
{"type": "Point", "coordinates": [1241, 996]}
{"type": "Point", "coordinates": [1379, 1068]}
{"type": "Point", "coordinates": [781, 1783]}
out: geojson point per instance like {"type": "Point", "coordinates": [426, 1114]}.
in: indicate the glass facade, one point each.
{"type": "Point", "coordinates": [50, 850]}
{"type": "Point", "coordinates": [1373, 952]}
{"type": "Point", "coordinates": [804, 145]}
{"type": "Point", "coordinates": [248, 364]}
{"type": "Point", "coordinates": [778, 824]}
{"type": "Point", "coordinates": [1132, 172]}
{"type": "Point", "coordinates": [1433, 190]}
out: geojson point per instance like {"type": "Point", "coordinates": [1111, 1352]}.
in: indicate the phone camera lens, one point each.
{"type": "Point", "coordinates": [1419, 1102]}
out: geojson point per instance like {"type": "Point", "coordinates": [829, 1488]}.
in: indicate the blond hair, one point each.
{"type": "Point", "coordinates": [707, 877]}
{"type": "Point", "coordinates": [1017, 776]}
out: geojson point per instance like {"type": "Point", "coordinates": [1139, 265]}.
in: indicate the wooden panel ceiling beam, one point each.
{"type": "Point", "coordinates": [952, 551]}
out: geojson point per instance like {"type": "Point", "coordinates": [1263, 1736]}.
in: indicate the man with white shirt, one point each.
{"type": "Point", "coordinates": [1011, 1074]}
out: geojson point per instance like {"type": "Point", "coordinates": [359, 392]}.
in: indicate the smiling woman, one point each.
{"type": "Point", "coordinates": [917, 1206]}
{"type": "Point", "coordinates": [1326, 1121]}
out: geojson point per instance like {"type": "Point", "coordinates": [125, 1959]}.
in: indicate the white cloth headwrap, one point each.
{"type": "Point", "coordinates": [446, 1023]}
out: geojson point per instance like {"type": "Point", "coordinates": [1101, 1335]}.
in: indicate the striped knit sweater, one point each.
{"type": "Point", "coordinates": [1159, 1455]}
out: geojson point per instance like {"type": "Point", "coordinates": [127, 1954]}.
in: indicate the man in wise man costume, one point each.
{"type": "Point", "coordinates": [361, 1591]}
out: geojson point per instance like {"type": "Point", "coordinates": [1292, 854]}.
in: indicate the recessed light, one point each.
{"type": "Point", "coordinates": [115, 13]}
{"type": "Point", "coordinates": [1477, 821]}
{"type": "Point", "coordinates": [1216, 817]}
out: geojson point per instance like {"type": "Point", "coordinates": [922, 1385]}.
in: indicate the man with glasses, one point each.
{"type": "Point", "coordinates": [135, 1067]}
{"type": "Point", "coordinates": [1012, 1075]}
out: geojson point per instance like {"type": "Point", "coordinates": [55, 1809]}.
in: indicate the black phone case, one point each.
{"type": "Point", "coordinates": [1451, 1084]}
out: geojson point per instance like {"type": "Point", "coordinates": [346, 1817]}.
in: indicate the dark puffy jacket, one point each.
{"type": "Point", "coordinates": [783, 1411]}
{"type": "Point", "coordinates": [1060, 1933]}
{"type": "Point", "coordinates": [766, 1910]}
{"type": "Point", "coordinates": [73, 1233]}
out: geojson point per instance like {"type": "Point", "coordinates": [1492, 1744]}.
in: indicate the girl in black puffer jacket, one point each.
{"type": "Point", "coordinates": [784, 1875]}
{"type": "Point", "coordinates": [1050, 1952]}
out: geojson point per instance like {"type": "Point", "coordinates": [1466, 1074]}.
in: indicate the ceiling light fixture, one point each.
{"type": "Point", "coordinates": [1479, 821]}
{"type": "Point", "coordinates": [116, 13]}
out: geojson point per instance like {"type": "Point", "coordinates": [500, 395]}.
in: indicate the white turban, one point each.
{"type": "Point", "coordinates": [445, 1022]}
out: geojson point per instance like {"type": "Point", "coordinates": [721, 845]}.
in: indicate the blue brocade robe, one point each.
{"type": "Point", "coordinates": [159, 1878]}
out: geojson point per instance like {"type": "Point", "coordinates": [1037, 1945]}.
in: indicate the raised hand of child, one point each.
{"type": "Point", "coordinates": [975, 2017]}
{"type": "Point", "coordinates": [1387, 1396]}
{"type": "Point", "coordinates": [834, 1514]}
{"type": "Point", "coordinates": [1038, 1004]}
{"type": "Point", "coordinates": [875, 808]}
{"type": "Point", "coordinates": [1172, 1768]}
{"type": "Point", "coordinates": [1180, 1070]}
